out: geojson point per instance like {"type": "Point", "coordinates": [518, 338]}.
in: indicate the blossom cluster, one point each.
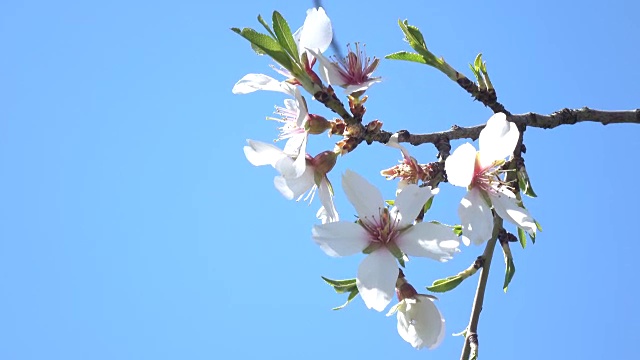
{"type": "Point", "coordinates": [387, 232]}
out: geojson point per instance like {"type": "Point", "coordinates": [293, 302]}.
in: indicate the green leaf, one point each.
{"type": "Point", "coordinates": [283, 34]}
{"type": "Point", "coordinates": [428, 204]}
{"type": "Point", "coordinates": [341, 286]}
{"type": "Point", "coordinates": [406, 56]}
{"type": "Point", "coordinates": [477, 63]}
{"type": "Point", "coordinates": [344, 282]}
{"type": "Point", "coordinates": [266, 26]}
{"type": "Point", "coordinates": [510, 269]}
{"type": "Point", "coordinates": [416, 34]}
{"type": "Point", "coordinates": [352, 296]}
{"type": "Point", "coordinates": [522, 236]}
{"type": "Point", "coordinates": [446, 284]}
{"type": "Point", "coordinates": [525, 183]}
{"type": "Point", "coordinates": [265, 44]}
{"type": "Point", "coordinates": [538, 225]}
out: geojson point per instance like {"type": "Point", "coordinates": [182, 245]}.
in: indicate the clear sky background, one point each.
{"type": "Point", "coordinates": [132, 226]}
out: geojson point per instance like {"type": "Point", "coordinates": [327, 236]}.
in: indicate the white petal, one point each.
{"type": "Point", "coordinates": [506, 206]}
{"type": "Point", "coordinates": [460, 165]}
{"type": "Point", "coordinates": [361, 87]}
{"type": "Point", "coordinates": [296, 146]}
{"type": "Point", "coordinates": [293, 188]}
{"type": "Point", "coordinates": [327, 69]}
{"type": "Point", "coordinates": [421, 323]}
{"type": "Point", "coordinates": [410, 201]}
{"type": "Point", "coordinates": [394, 143]}
{"type": "Point", "coordinates": [476, 218]}
{"type": "Point", "coordinates": [497, 140]}
{"type": "Point", "coordinates": [253, 82]}
{"type": "Point", "coordinates": [259, 153]}
{"type": "Point", "coordinates": [316, 32]}
{"type": "Point", "coordinates": [366, 198]}
{"type": "Point", "coordinates": [341, 238]}
{"type": "Point", "coordinates": [376, 279]}
{"type": "Point", "coordinates": [435, 241]}
{"type": "Point", "coordinates": [324, 191]}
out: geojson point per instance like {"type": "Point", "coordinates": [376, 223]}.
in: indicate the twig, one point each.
{"type": "Point", "coordinates": [472, 329]}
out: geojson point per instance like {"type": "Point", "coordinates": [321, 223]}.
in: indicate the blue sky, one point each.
{"type": "Point", "coordinates": [132, 226]}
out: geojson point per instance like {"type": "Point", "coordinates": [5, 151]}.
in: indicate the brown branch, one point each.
{"type": "Point", "coordinates": [487, 97]}
{"type": "Point", "coordinates": [562, 117]}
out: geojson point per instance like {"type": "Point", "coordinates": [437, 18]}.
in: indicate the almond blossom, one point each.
{"type": "Point", "coordinates": [353, 73]}
{"type": "Point", "coordinates": [313, 177]}
{"type": "Point", "coordinates": [409, 170]}
{"type": "Point", "coordinates": [478, 171]}
{"type": "Point", "coordinates": [315, 33]}
{"type": "Point", "coordinates": [385, 235]}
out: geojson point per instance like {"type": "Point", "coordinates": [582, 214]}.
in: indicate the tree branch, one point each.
{"type": "Point", "coordinates": [562, 117]}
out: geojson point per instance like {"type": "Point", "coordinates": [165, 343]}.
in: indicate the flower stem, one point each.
{"type": "Point", "coordinates": [471, 336]}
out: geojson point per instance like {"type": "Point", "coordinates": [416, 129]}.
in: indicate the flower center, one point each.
{"type": "Point", "coordinates": [356, 68]}
{"type": "Point", "coordinates": [487, 178]}
{"type": "Point", "coordinates": [382, 229]}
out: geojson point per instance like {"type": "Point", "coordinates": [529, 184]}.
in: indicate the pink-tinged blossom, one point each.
{"type": "Point", "coordinates": [385, 235]}
{"type": "Point", "coordinates": [353, 73]}
{"type": "Point", "coordinates": [409, 170]}
{"type": "Point", "coordinates": [479, 173]}
{"type": "Point", "coordinates": [292, 186]}
{"type": "Point", "coordinates": [315, 33]}
{"type": "Point", "coordinates": [293, 118]}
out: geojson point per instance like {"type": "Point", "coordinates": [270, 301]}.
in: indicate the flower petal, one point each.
{"type": "Point", "coordinates": [361, 87]}
{"type": "Point", "coordinates": [497, 140]}
{"type": "Point", "coordinates": [460, 165]}
{"type": "Point", "coordinates": [294, 188]}
{"type": "Point", "coordinates": [476, 218]}
{"type": "Point", "coordinates": [253, 82]}
{"type": "Point", "coordinates": [259, 153]}
{"type": "Point", "coordinates": [435, 241]}
{"type": "Point", "coordinates": [316, 32]}
{"type": "Point", "coordinates": [421, 324]}
{"type": "Point", "coordinates": [506, 205]}
{"type": "Point", "coordinates": [410, 201]}
{"type": "Point", "coordinates": [296, 146]}
{"type": "Point", "coordinates": [376, 279]}
{"type": "Point", "coordinates": [324, 191]}
{"type": "Point", "coordinates": [329, 72]}
{"type": "Point", "coordinates": [341, 238]}
{"type": "Point", "coordinates": [394, 143]}
{"type": "Point", "coordinates": [366, 198]}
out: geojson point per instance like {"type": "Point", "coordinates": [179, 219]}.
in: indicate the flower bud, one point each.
{"type": "Point", "coordinates": [324, 162]}
{"type": "Point", "coordinates": [316, 124]}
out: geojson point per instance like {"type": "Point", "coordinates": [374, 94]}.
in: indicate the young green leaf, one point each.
{"type": "Point", "coordinates": [283, 34]}
{"type": "Point", "coordinates": [352, 296]}
{"type": "Point", "coordinates": [446, 284]}
{"type": "Point", "coordinates": [345, 282]}
{"type": "Point", "coordinates": [510, 268]}
{"type": "Point", "coordinates": [266, 44]}
{"type": "Point", "coordinates": [406, 56]}
{"type": "Point", "coordinates": [522, 236]}
{"type": "Point", "coordinates": [266, 26]}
